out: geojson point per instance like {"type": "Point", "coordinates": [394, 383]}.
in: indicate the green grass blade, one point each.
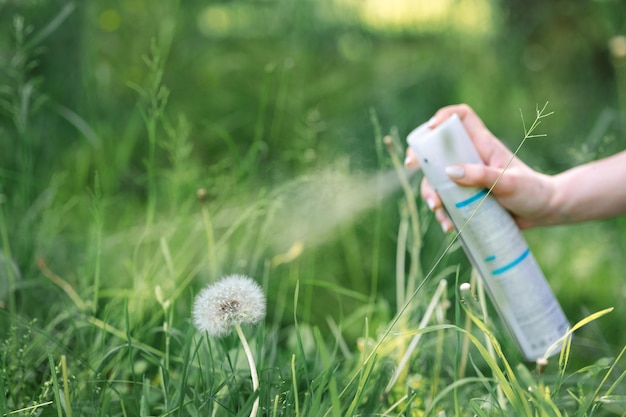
{"type": "Point", "coordinates": [56, 388]}
{"type": "Point", "coordinates": [51, 27]}
{"type": "Point", "coordinates": [329, 366]}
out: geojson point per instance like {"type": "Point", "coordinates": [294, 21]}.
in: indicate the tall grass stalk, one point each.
{"type": "Point", "coordinates": [336, 330]}
{"type": "Point", "coordinates": [380, 157]}
{"type": "Point", "coordinates": [156, 95]}
{"type": "Point", "coordinates": [294, 381]}
{"type": "Point", "coordinates": [482, 299]}
{"type": "Point", "coordinates": [6, 249]}
{"type": "Point", "coordinates": [165, 304]}
{"type": "Point", "coordinates": [415, 269]}
{"type": "Point", "coordinates": [299, 344]}
{"type": "Point", "coordinates": [401, 242]}
{"type": "Point", "coordinates": [440, 349]}
{"type": "Point", "coordinates": [210, 238]}
{"type": "Point", "coordinates": [66, 386]}
{"type": "Point", "coordinates": [331, 381]}
{"type": "Point", "coordinates": [608, 396]}
{"type": "Point", "coordinates": [23, 97]}
{"type": "Point", "coordinates": [249, 163]}
{"type": "Point", "coordinates": [434, 302]}
{"type": "Point", "coordinates": [56, 387]}
{"type": "Point", "coordinates": [465, 344]}
{"type": "Point", "coordinates": [365, 374]}
{"type": "Point", "coordinates": [4, 408]}
{"type": "Point", "coordinates": [63, 284]}
{"type": "Point", "coordinates": [97, 211]}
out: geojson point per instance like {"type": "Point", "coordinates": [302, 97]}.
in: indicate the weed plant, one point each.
{"type": "Point", "coordinates": [98, 281]}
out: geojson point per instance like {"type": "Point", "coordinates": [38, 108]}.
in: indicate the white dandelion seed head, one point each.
{"type": "Point", "coordinates": [234, 299]}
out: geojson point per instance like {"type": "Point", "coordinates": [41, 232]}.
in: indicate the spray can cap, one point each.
{"type": "Point", "coordinates": [445, 145]}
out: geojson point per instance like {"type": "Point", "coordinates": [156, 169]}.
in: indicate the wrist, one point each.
{"type": "Point", "coordinates": [557, 206]}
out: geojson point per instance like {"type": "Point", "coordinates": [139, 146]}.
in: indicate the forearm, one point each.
{"type": "Point", "coordinates": [592, 191]}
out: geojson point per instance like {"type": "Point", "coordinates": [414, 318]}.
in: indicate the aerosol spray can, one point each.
{"type": "Point", "coordinates": [492, 241]}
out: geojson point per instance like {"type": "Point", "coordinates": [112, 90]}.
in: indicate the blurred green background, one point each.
{"type": "Point", "coordinates": [267, 91]}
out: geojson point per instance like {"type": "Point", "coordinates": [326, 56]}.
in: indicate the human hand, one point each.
{"type": "Point", "coordinates": [525, 193]}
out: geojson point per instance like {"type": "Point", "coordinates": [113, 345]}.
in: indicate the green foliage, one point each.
{"type": "Point", "coordinates": [147, 148]}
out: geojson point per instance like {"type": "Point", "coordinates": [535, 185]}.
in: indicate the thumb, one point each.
{"type": "Point", "coordinates": [477, 175]}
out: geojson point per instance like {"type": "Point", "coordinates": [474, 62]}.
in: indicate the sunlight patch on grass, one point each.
{"type": "Point", "coordinates": [471, 17]}
{"type": "Point", "coordinates": [109, 20]}
{"type": "Point", "coordinates": [236, 18]}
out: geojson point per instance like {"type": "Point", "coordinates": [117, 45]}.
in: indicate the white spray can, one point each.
{"type": "Point", "coordinates": [492, 241]}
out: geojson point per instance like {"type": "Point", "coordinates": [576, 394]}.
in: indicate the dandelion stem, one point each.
{"type": "Point", "coordinates": [253, 372]}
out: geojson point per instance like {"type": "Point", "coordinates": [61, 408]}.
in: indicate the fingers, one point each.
{"type": "Point", "coordinates": [468, 175]}
{"type": "Point", "coordinates": [434, 203]}
{"type": "Point", "coordinates": [488, 146]}
{"type": "Point", "coordinates": [411, 159]}
{"type": "Point", "coordinates": [444, 220]}
{"type": "Point", "coordinates": [476, 175]}
{"type": "Point", "coordinates": [473, 124]}
{"type": "Point", "coordinates": [467, 115]}
{"type": "Point", "coordinates": [429, 195]}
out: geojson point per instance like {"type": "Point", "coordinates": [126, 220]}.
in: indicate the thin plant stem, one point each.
{"type": "Point", "coordinates": [376, 253]}
{"type": "Point", "coordinates": [410, 199]}
{"type": "Point", "coordinates": [403, 231]}
{"type": "Point", "coordinates": [295, 384]}
{"type": "Point", "coordinates": [482, 300]}
{"type": "Point", "coordinates": [440, 312]}
{"type": "Point", "coordinates": [429, 312]}
{"type": "Point", "coordinates": [465, 348]}
{"type": "Point", "coordinates": [395, 405]}
{"type": "Point", "coordinates": [96, 207]}
{"type": "Point", "coordinates": [66, 388]}
{"type": "Point", "coordinates": [253, 372]}
{"type": "Point", "coordinates": [210, 237]}
{"type": "Point", "coordinates": [55, 384]}
{"type": "Point", "coordinates": [30, 408]}
{"type": "Point", "coordinates": [275, 409]}
{"type": "Point", "coordinates": [4, 236]}
{"type": "Point", "coordinates": [63, 284]}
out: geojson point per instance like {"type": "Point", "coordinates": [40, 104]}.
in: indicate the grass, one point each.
{"type": "Point", "coordinates": [104, 249]}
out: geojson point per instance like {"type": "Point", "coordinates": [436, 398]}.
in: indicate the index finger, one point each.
{"type": "Point", "coordinates": [467, 115]}
{"type": "Point", "coordinates": [411, 160]}
{"type": "Point", "coordinates": [487, 145]}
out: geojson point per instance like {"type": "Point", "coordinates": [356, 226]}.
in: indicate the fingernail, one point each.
{"type": "Point", "coordinates": [431, 121]}
{"type": "Point", "coordinates": [455, 171]}
{"type": "Point", "coordinates": [407, 160]}
{"type": "Point", "coordinates": [431, 203]}
{"type": "Point", "coordinates": [446, 226]}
